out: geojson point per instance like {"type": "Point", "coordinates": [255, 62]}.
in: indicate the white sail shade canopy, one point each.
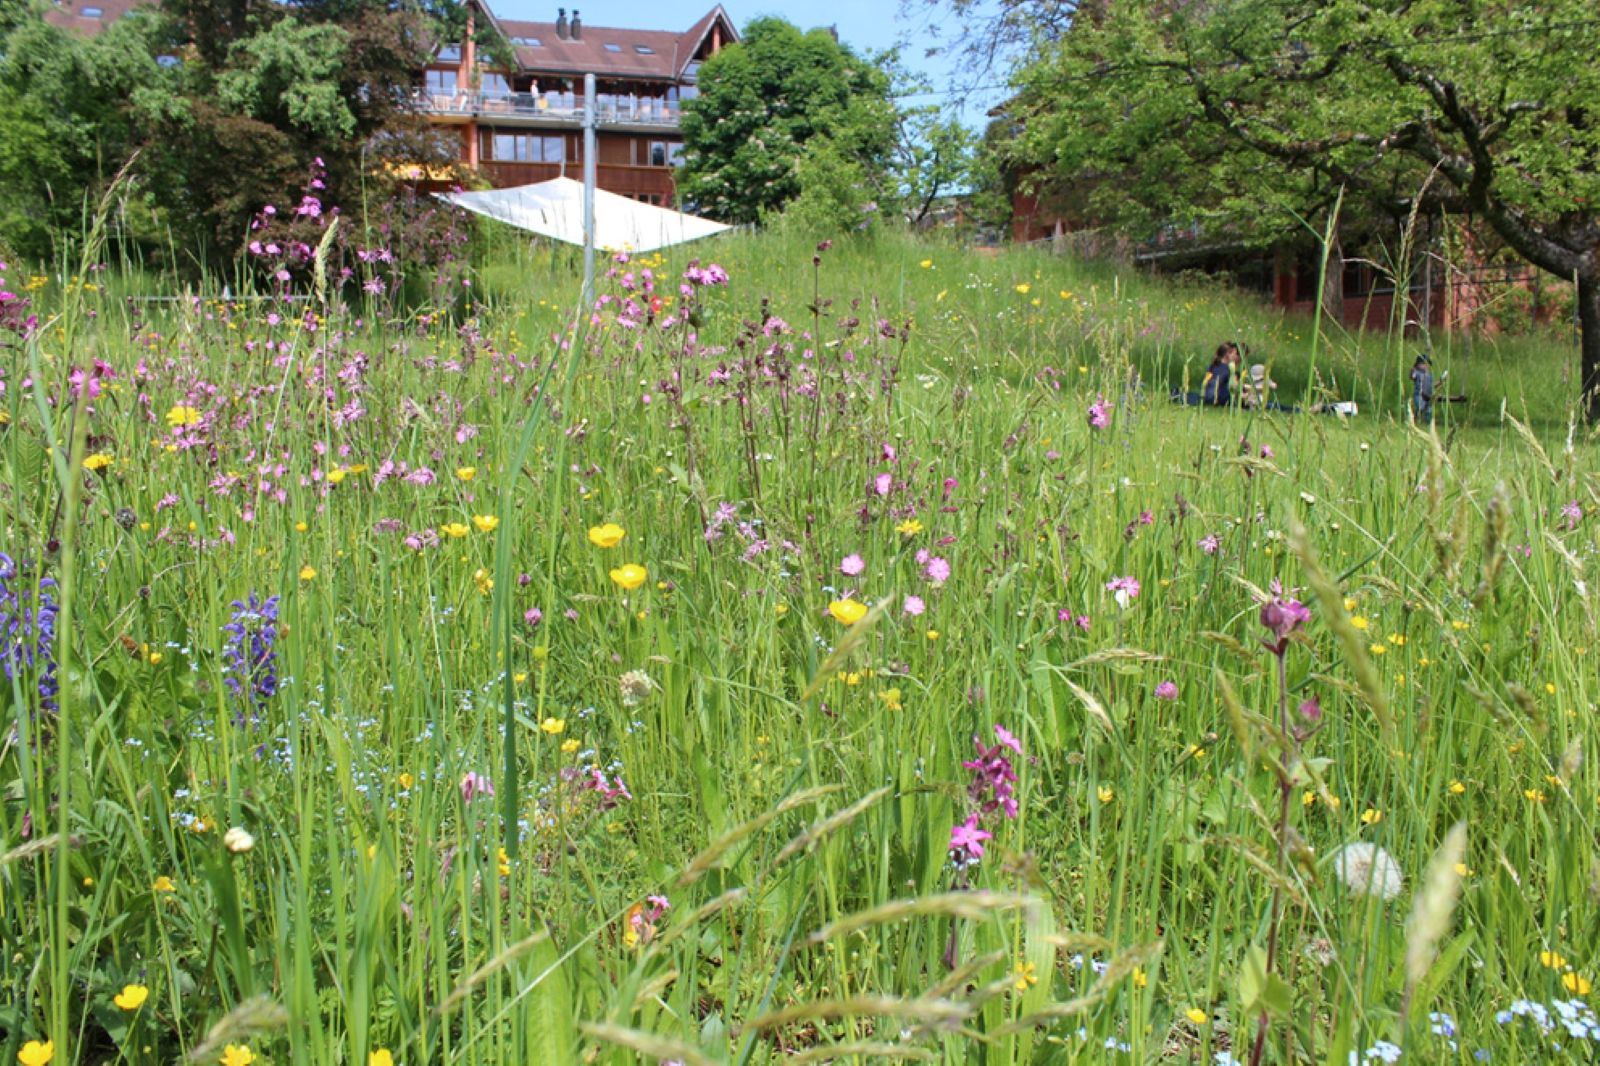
{"type": "Point", "coordinates": [554, 209]}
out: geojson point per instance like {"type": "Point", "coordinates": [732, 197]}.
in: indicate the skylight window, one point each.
{"type": "Point", "coordinates": [644, 49]}
{"type": "Point", "coordinates": [613, 48]}
{"type": "Point", "coordinates": [91, 12]}
{"type": "Point", "coordinates": [528, 42]}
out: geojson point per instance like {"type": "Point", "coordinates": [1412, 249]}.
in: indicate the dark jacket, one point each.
{"type": "Point", "coordinates": [1215, 392]}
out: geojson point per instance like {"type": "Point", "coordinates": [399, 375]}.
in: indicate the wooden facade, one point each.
{"type": "Point", "coordinates": [522, 125]}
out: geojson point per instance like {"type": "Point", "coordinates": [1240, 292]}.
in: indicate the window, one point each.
{"type": "Point", "coordinates": [495, 85]}
{"type": "Point", "coordinates": [613, 48]}
{"type": "Point", "coordinates": [449, 53]}
{"type": "Point", "coordinates": [441, 82]}
{"type": "Point", "coordinates": [691, 71]}
{"type": "Point", "coordinates": [644, 49]}
{"type": "Point", "coordinates": [91, 12]}
{"type": "Point", "coordinates": [665, 153]}
{"type": "Point", "coordinates": [168, 61]}
{"type": "Point", "coordinates": [522, 147]}
{"type": "Point", "coordinates": [528, 42]}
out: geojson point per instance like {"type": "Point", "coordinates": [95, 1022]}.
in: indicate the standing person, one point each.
{"type": "Point", "coordinates": [1214, 391]}
{"type": "Point", "coordinates": [1422, 389]}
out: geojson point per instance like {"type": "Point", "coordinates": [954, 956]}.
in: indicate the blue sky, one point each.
{"type": "Point", "coordinates": [867, 25]}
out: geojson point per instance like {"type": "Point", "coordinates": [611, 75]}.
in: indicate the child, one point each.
{"type": "Point", "coordinates": [1422, 389]}
{"type": "Point", "coordinates": [1258, 389]}
{"type": "Point", "coordinates": [1214, 390]}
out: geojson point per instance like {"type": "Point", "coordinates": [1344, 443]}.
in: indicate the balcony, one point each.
{"type": "Point", "coordinates": [551, 109]}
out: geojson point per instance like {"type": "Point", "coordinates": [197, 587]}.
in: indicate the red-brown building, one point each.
{"type": "Point", "coordinates": [522, 122]}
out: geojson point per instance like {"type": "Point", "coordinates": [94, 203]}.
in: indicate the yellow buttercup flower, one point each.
{"type": "Point", "coordinates": [485, 523]}
{"type": "Point", "coordinates": [553, 726]}
{"type": "Point", "coordinates": [1025, 977]}
{"type": "Point", "coordinates": [131, 997]}
{"type": "Point", "coordinates": [336, 475]}
{"type": "Point", "coordinates": [569, 745]}
{"type": "Point", "coordinates": [466, 473]}
{"type": "Point", "coordinates": [1105, 793]}
{"type": "Point", "coordinates": [97, 461]}
{"type": "Point", "coordinates": [848, 612]}
{"type": "Point", "coordinates": [1552, 961]}
{"type": "Point", "coordinates": [37, 1053]}
{"type": "Point", "coordinates": [1197, 1016]}
{"type": "Point", "coordinates": [307, 573]}
{"type": "Point", "coordinates": [381, 1057]}
{"type": "Point", "coordinates": [237, 1055]}
{"type": "Point", "coordinates": [629, 577]}
{"type": "Point", "coordinates": [181, 415]}
{"type": "Point", "coordinates": [163, 884]}
{"type": "Point", "coordinates": [454, 529]}
{"type": "Point", "coordinates": [606, 536]}
{"type": "Point", "coordinates": [1371, 816]}
{"type": "Point", "coordinates": [1456, 788]}
{"type": "Point", "coordinates": [1024, 288]}
{"type": "Point", "coordinates": [1576, 983]}
{"type": "Point", "coordinates": [909, 528]}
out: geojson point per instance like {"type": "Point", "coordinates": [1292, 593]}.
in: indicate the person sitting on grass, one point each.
{"type": "Point", "coordinates": [1214, 390]}
{"type": "Point", "coordinates": [1257, 389]}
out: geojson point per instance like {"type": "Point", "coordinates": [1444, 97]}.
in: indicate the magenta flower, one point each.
{"type": "Point", "coordinates": [882, 484]}
{"type": "Point", "coordinates": [938, 570]}
{"type": "Point", "coordinates": [1123, 589]}
{"type": "Point", "coordinates": [967, 837]}
{"type": "Point", "coordinates": [474, 785]}
{"type": "Point", "coordinates": [1282, 616]}
{"type": "Point", "coordinates": [1007, 738]}
{"type": "Point", "coordinates": [1209, 544]}
{"type": "Point", "coordinates": [1100, 413]}
{"type": "Point", "coordinates": [1311, 710]}
{"type": "Point", "coordinates": [914, 606]}
{"type": "Point", "coordinates": [852, 565]}
{"type": "Point", "coordinates": [1167, 690]}
{"type": "Point", "coordinates": [1573, 513]}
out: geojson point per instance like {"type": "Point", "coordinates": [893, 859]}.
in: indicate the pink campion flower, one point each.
{"type": "Point", "coordinates": [938, 570]}
{"type": "Point", "coordinates": [1573, 513]}
{"type": "Point", "coordinates": [1311, 709]}
{"type": "Point", "coordinates": [852, 565]}
{"type": "Point", "coordinates": [1209, 544]}
{"type": "Point", "coordinates": [1167, 690]}
{"type": "Point", "coordinates": [1082, 622]}
{"type": "Point", "coordinates": [474, 785]}
{"type": "Point", "coordinates": [1123, 589]}
{"type": "Point", "coordinates": [1282, 615]}
{"type": "Point", "coordinates": [1100, 413]}
{"type": "Point", "coordinates": [882, 484]}
{"type": "Point", "coordinates": [949, 487]}
{"type": "Point", "coordinates": [1146, 518]}
{"type": "Point", "coordinates": [1007, 738]}
{"type": "Point", "coordinates": [914, 606]}
{"type": "Point", "coordinates": [966, 839]}
{"type": "Point", "coordinates": [1266, 451]}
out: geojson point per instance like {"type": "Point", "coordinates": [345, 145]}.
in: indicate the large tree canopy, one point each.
{"type": "Point", "coordinates": [762, 101]}
{"type": "Point", "coordinates": [1236, 110]}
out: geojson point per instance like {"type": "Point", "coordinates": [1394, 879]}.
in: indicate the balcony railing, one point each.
{"type": "Point", "coordinates": [563, 108]}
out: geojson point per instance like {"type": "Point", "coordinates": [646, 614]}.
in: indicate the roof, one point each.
{"type": "Point", "coordinates": [69, 14]}
{"type": "Point", "coordinates": [657, 55]}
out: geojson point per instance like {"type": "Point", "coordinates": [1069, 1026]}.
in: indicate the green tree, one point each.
{"type": "Point", "coordinates": [1238, 111]}
{"type": "Point", "coordinates": [762, 101]}
{"type": "Point", "coordinates": [63, 127]}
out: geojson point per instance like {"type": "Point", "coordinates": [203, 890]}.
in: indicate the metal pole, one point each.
{"type": "Point", "coordinates": [589, 153]}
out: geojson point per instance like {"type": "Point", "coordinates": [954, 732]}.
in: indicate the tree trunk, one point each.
{"type": "Point", "coordinates": [1589, 344]}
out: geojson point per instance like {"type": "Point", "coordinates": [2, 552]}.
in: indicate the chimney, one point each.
{"type": "Point", "coordinates": [561, 23]}
{"type": "Point", "coordinates": [577, 26]}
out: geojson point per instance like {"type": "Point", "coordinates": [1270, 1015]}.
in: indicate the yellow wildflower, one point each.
{"type": "Point", "coordinates": [466, 473]}
{"type": "Point", "coordinates": [1025, 977]}
{"type": "Point", "coordinates": [553, 726]}
{"type": "Point", "coordinates": [485, 523]}
{"type": "Point", "coordinates": [131, 997]}
{"type": "Point", "coordinates": [308, 572]}
{"type": "Point", "coordinates": [237, 1055]}
{"type": "Point", "coordinates": [454, 529]}
{"type": "Point", "coordinates": [847, 612]}
{"type": "Point", "coordinates": [181, 415]}
{"type": "Point", "coordinates": [1197, 1016]}
{"type": "Point", "coordinates": [36, 1053]}
{"type": "Point", "coordinates": [606, 536]}
{"type": "Point", "coordinates": [629, 577]}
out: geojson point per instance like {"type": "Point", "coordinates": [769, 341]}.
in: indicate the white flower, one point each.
{"type": "Point", "coordinates": [1368, 870]}
{"type": "Point", "coordinates": [238, 840]}
{"type": "Point", "coordinates": [1308, 498]}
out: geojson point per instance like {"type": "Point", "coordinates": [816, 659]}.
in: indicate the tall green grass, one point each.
{"type": "Point", "coordinates": [802, 840]}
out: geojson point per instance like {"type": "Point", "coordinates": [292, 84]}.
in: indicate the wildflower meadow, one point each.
{"type": "Point", "coordinates": [802, 654]}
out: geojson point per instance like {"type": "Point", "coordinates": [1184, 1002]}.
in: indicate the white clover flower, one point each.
{"type": "Point", "coordinates": [1368, 870]}
{"type": "Point", "coordinates": [238, 841]}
